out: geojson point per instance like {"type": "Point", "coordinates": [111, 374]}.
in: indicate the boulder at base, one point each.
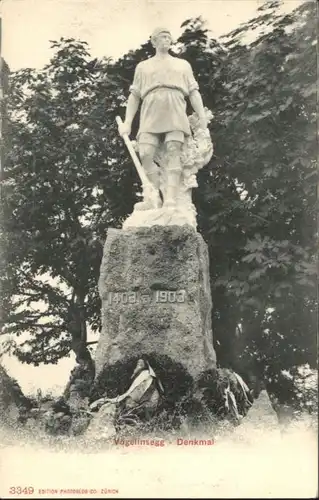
{"type": "Point", "coordinates": [155, 291]}
{"type": "Point", "coordinates": [102, 424]}
{"type": "Point", "coordinates": [14, 405]}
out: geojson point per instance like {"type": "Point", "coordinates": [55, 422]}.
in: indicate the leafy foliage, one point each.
{"type": "Point", "coordinates": [57, 198]}
{"type": "Point", "coordinates": [258, 204]}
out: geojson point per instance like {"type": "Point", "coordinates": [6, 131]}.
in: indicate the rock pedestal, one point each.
{"type": "Point", "coordinates": [155, 291]}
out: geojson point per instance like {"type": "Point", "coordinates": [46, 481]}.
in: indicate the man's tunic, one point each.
{"type": "Point", "coordinates": [163, 84]}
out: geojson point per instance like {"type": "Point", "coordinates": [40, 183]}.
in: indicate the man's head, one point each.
{"type": "Point", "coordinates": [161, 38]}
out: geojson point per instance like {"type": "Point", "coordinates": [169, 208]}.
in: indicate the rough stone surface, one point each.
{"type": "Point", "coordinates": [142, 263]}
{"type": "Point", "coordinates": [102, 424]}
{"type": "Point", "coordinates": [12, 400]}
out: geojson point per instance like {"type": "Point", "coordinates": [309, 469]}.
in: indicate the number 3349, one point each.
{"type": "Point", "coordinates": [19, 490]}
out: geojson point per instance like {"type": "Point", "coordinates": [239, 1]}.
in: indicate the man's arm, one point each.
{"type": "Point", "coordinates": [198, 106]}
{"type": "Point", "coordinates": [133, 103]}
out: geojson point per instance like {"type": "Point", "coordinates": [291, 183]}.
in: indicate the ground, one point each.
{"type": "Point", "coordinates": [254, 461]}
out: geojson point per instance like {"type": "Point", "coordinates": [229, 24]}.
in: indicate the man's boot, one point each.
{"type": "Point", "coordinates": [151, 193]}
{"type": "Point", "coordinates": [152, 199]}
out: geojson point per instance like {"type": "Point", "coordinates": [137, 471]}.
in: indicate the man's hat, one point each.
{"type": "Point", "coordinates": [157, 31]}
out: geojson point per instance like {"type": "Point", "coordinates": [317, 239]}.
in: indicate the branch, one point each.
{"type": "Point", "coordinates": [37, 325]}
{"type": "Point", "coordinates": [52, 347]}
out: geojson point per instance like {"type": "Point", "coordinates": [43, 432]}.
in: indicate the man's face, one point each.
{"type": "Point", "coordinates": [163, 41]}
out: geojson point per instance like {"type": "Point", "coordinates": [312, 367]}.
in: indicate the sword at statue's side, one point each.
{"type": "Point", "coordinates": [145, 182]}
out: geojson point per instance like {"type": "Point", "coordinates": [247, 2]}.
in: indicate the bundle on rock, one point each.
{"type": "Point", "coordinates": [225, 394]}
{"type": "Point", "coordinates": [141, 398]}
{"type": "Point", "coordinates": [142, 388]}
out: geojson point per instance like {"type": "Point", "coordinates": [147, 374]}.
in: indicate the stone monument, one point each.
{"type": "Point", "coordinates": [154, 280]}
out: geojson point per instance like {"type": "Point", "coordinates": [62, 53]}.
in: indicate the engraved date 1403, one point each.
{"type": "Point", "coordinates": [161, 296]}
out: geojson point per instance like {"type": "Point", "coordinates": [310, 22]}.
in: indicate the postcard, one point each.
{"type": "Point", "coordinates": [158, 249]}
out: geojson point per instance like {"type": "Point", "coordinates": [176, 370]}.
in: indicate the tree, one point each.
{"type": "Point", "coordinates": [256, 198]}
{"type": "Point", "coordinates": [265, 145]}
{"type": "Point", "coordinates": [273, 158]}
{"type": "Point", "coordinates": [57, 187]}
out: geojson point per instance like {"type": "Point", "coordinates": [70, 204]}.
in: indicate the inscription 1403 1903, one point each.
{"type": "Point", "coordinates": [161, 296]}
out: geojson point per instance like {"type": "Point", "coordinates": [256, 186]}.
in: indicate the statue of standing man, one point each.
{"type": "Point", "coordinates": [162, 83]}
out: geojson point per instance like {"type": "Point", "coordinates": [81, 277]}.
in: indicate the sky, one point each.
{"type": "Point", "coordinates": [111, 28]}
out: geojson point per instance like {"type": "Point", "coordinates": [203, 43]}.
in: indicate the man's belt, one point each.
{"type": "Point", "coordinates": [161, 86]}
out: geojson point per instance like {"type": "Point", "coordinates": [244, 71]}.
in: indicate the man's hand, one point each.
{"type": "Point", "coordinates": [125, 128]}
